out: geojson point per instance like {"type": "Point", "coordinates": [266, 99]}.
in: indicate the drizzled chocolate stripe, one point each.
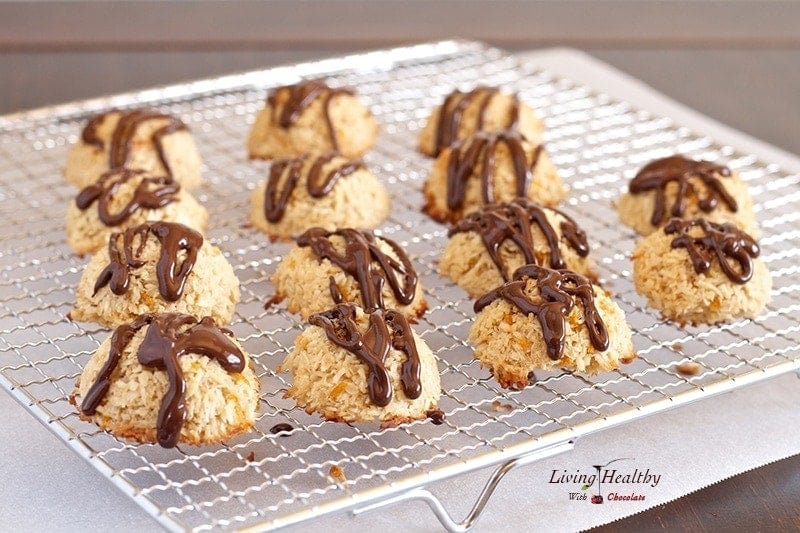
{"type": "Point", "coordinates": [482, 147]}
{"type": "Point", "coordinates": [558, 290]}
{"type": "Point", "coordinates": [285, 174]}
{"type": "Point", "coordinates": [657, 175]}
{"type": "Point", "coordinates": [168, 337]}
{"type": "Point", "coordinates": [452, 112]}
{"type": "Point", "coordinates": [387, 329]}
{"type": "Point", "coordinates": [176, 240]}
{"type": "Point", "coordinates": [301, 96]}
{"type": "Point", "coordinates": [511, 221]}
{"type": "Point", "coordinates": [726, 242]}
{"type": "Point", "coordinates": [121, 142]}
{"type": "Point", "coordinates": [363, 260]}
{"type": "Point", "coordinates": [152, 192]}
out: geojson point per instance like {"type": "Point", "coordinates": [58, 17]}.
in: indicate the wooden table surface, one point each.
{"type": "Point", "coordinates": [755, 91]}
{"type": "Point", "coordinates": [764, 499]}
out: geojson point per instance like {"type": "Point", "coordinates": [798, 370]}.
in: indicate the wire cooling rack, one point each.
{"type": "Point", "coordinates": [265, 480]}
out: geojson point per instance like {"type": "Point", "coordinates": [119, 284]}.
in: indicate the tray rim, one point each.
{"type": "Point", "coordinates": [561, 439]}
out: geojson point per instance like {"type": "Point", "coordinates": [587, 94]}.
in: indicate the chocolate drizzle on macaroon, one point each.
{"type": "Point", "coordinates": [726, 242]}
{"type": "Point", "coordinates": [511, 221]}
{"type": "Point", "coordinates": [119, 148]}
{"type": "Point", "coordinates": [366, 263]}
{"type": "Point", "coordinates": [152, 192]}
{"type": "Point", "coordinates": [456, 103]}
{"type": "Point", "coordinates": [657, 175]}
{"type": "Point", "coordinates": [179, 247]}
{"type": "Point", "coordinates": [558, 292]}
{"type": "Point", "coordinates": [168, 337]}
{"type": "Point", "coordinates": [481, 148]}
{"type": "Point", "coordinates": [285, 174]}
{"type": "Point", "coordinates": [387, 329]}
{"type": "Point", "coordinates": [287, 111]}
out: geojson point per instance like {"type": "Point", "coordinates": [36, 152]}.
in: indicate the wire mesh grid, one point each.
{"type": "Point", "coordinates": [271, 480]}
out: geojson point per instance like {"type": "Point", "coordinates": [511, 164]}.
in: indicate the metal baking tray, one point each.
{"type": "Point", "coordinates": [597, 142]}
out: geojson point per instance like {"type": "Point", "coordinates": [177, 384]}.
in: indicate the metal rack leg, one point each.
{"type": "Point", "coordinates": [491, 484]}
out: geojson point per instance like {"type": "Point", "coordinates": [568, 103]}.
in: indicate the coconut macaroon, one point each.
{"type": "Point", "coordinates": [352, 366]}
{"type": "Point", "coordinates": [124, 198]}
{"type": "Point", "coordinates": [464, 114]}
{"type": "Point", "coordinates": [156, 267]}
{"type": "Point", "coordinates": [348, 265]}
{"type": "Point", "coordinates": [170, 379]}
{"type": "Point", "coordinates": [320, 190]}
{"type": "Point", "coordinates": [142, 139]}
{"type": "Point", "coordinates": [683, 188]}
{"type": "Point", "coordinates": [312, 117]}
{"type": "Point", "coordinates": [544, 319]}
{"type": "Point", "coordinates": [487, 168]}
{"type": "Point", "coordinates": [698, 271]}
{"type": "Point", "coordinates": [487, 246]}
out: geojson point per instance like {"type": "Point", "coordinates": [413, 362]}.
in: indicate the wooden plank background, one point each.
{"type": "Point", "coordinates": [283, 23]}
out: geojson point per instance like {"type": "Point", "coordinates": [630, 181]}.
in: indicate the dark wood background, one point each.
{"type": "Point", "coordinates": [765, 499]}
